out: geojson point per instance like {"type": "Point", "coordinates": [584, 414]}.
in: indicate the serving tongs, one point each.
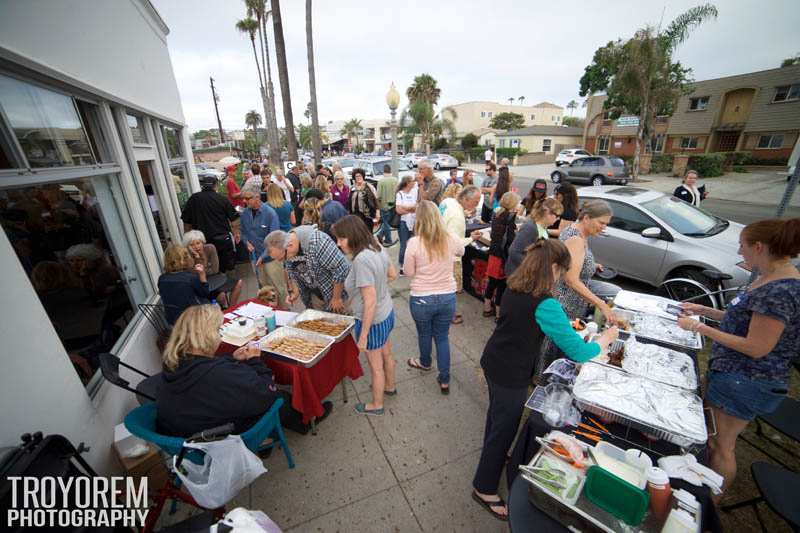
{"type": "Point", "coordinates": [559, 482]}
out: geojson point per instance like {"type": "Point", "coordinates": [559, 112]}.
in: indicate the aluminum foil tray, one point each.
{"type": "Point", "coordinates": [660, 364]}
{"type": "Point", "coordinates": [286, 331]}
{"type": "Point", "coordinates": [665, 412]}
{"type": "Point", "coordinates": [661, 330]}
{"type": "Point", "coordinates": [313, 314]}
{"type": "Point", "coordinates": [644, 303]}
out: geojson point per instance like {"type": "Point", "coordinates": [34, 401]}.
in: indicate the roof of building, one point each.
{"type": "Point", "coordinates": [540, 104]}
{"type": "Point", "coordinates": [543, 130]}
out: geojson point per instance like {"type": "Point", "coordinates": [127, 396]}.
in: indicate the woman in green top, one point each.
{"type": "Point", "coordinates": [544, 213]}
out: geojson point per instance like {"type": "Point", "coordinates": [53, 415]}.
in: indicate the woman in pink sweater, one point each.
{"type": "Point", "coordinates": [429, 262]}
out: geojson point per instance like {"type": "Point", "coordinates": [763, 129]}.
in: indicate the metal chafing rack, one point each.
{"type": "Point", "coordinates": [313, 314]}
{"type": "Point", "coordinates": [662, 411]}
{"type": "Point", "coordinates": [287, 331]}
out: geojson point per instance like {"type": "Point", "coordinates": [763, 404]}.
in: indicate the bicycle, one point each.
{"type": "Point", "coordinates": [689, 290]}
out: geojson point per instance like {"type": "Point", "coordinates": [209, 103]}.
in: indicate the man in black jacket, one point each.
{"type": "Point", "coordinates": [213, 214]}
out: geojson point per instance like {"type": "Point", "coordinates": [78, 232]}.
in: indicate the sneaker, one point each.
{"type": "Point", "coordinates": [401, 273]}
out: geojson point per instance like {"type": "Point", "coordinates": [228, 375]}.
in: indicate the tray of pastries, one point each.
{"type": "Point", "coordinates": [328, 324]}
{"type": "Point", "coordinates": [297, 346]}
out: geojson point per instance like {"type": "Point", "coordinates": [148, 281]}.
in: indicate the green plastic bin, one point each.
{"type": "Point", "coordinates": [616, 496]}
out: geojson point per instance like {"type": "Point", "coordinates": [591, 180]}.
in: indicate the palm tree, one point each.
{"type": "Point", "coordinates": [424, 89]}
{"type": "Point", "coordinates": [352, 128]}
{"type": "Point", "coordinates": [253, 119]}
{"type": "Point", "coordinates": [312, 84]}
{"type": "Point", "coordinates": [571, 106]}
{"type": "Point", "coordinates": [283, 76]}
{"type": "Point", "coordinates": [256, 9]}
{"type": "Point", "coordinates": [521, 99]}
{"type": "Point", "coordinates": [511, 100]}
{"type": "Point", "coordinates": [250, 26]}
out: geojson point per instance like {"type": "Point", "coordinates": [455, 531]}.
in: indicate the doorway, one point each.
{"type": "Point", "coordinates": [727, 141]}
{"type": "Point", "coordinates": [154, 202]}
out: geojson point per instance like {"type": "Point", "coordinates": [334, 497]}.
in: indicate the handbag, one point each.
{"type": "Point", "coordinates": [394, 218]}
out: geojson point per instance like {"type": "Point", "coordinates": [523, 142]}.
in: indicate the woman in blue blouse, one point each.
{"type": "Point", "coordinates": [282, 208]}
{"type": "Point", "coordinates": [759, 335]}
{"type": "Point", "coordinates": [528, 312]}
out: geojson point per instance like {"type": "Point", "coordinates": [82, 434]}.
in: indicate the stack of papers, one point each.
{"type": "Point", "coordinates": [252, 310]}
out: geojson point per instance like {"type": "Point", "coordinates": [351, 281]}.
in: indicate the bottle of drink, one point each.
{"type": "Point", "coordinates": [269, 316]}
{"type": "Point", "coordinates": [261, 326]}
{"type": "Point", "coordinates": [660, 492]}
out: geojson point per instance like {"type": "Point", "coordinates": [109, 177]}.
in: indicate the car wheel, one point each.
{"type": "Point", "coordinates": [686, 291]}
{"type": "Point", "coordinates": [597, 181]}
{"type": "Point", "coordinates": [556, 177]}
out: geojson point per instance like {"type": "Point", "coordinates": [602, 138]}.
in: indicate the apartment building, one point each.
{"type": "Point", "coordinates": [375, 135]}
{"type": "Point", "coordinates": [541, 139]}
{"type": "Point", "coordinates": [757, 112]}
{"type": "Point", "coordinates": [473, 116]}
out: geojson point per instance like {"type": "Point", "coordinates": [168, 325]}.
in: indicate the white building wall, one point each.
{"type": "Point", "coordinates": [117, 47]}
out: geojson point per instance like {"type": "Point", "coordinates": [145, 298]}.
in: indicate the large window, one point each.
{"type": "Point", "coordinates": [786, 93]}
{"type": "Point", "coordinates": [656, 143]}
{"type": "Point", "coordinates": [172, 143]}
{"type": "Point", "coordinates": [770, 141]}
{"type": "Point", "coordinates": [136, 125]}
{"type": "Point", "coordinates": [688, 143]}
{"type": "Point", "coordinates": [46, 123]}
{"type": "Point", "coordinates": [546, 145]}
{"type": "Point", "coordinates": [61, 234]}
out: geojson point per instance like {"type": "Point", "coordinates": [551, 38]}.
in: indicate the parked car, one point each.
{"type": "Point", "coordinates": [346, 162]}
{"type": "Point", "coordinates": [565, 157]}
{"type": "Point", "coordinates": [596, 170]}
{"type": "Point", "coordinates": [413, 158]}
{"type": "Point", "coordinates": [204, 169]}
{"type": "Point", "coordinates": [654, 236]}
{"type": "Point", "coordinates": [442, 161]}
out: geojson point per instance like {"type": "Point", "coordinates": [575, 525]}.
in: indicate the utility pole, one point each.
{"type": "Point", "coordinates": [216, 109]}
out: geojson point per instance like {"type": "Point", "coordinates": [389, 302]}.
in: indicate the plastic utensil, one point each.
{"type": "Point", "coordinates": [616, 496]}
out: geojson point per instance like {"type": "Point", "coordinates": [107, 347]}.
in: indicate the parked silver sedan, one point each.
{"type": "Point", "coordinates": [653, 237]}
{"type": "Point", "coordinates": [442, 161]}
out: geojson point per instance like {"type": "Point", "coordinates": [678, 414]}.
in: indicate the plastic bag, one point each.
{"type": "Point", "coordinates": [246, 521]}
{"type": "Point", "coordinates": [228, 467]}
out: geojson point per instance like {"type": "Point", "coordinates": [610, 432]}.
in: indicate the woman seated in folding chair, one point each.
{"type": "Point", "coordinates": [202, 391]}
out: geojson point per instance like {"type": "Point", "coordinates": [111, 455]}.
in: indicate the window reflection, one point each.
{"type": "Point", "coordinates": [46, 124]}
{"type": "Point", "coordinates": [58, 235]}
{"type": "Point", "coordinates": [171, 142]}
{"type": "Point", "coordinates": [136, 125]}
{"type": "Point", "coordinates": [178, 174]}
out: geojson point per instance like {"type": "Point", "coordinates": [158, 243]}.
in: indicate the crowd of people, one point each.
{"type": "Point", "coordinates": [311, 237]}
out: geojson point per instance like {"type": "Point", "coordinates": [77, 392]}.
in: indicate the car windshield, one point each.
{"type": "Point", "coordinates": [685, 218]}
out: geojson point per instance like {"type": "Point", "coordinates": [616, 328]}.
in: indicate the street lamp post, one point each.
{"type": "Point", "coordinates": [393, 101]}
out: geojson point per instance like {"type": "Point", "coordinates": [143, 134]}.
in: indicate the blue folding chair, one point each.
{"type": "Point", "coordinates": [142, 423]}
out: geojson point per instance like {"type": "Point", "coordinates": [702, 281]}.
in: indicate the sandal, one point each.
{"type": "Point", "coordinates": [414, 363]}
{"type": "Point", "coordinates": [488, 506]}
{"type": "Point", "coordinates": [488, 313]}
{"type": "Point", "coordinates": [390, 392]}
{"type": "Point", "coordinates": [458, 319]}
{"type": "Point", "coordinates": [444, 389]}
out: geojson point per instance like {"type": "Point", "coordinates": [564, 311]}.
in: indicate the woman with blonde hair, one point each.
{"type": "Point", "coordinates": [503, 231]}
{"type": "Point", "coordinates": [323, 184]}
{"type": "Point", "coordinates": [183, 282]}
{"type": "Point", "coordinates": [200, 391]}
{"type": "Point", "coordinates": [452, 190]}
{"type": "Point", "coordinates": [542, 215]}
{"type": "Point", "coordinates": [219, 284]}
{"type": "Point", "coordinates": [429, 259]}
{"type": "Point", "coordinates": [282, 207]}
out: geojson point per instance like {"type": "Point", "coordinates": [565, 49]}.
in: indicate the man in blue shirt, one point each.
{"type": "Point", "coordinates": [257, 221]}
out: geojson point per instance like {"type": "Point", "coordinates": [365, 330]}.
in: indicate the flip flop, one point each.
{"type": "Point", "coordinates": [488, 506]}
{"type": "Point", "coordinates": [458, 319]}
{"type": "Point", "coordinates": [390, 392]}
{"type": "Point", "coordinates": [361, 408]}
{"type": "Point", "coordinates": [414, 363]}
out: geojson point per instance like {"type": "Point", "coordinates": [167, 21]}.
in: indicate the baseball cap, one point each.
{"type": "Point", "coordinates": [540, 185]}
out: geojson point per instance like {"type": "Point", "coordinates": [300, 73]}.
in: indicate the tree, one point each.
{"type": "Point", "coordinates": [572, 105]}
{"type": "Point", "coordinates": [253, 119]}
{"type": "Point", "coordinates": [250, 26]}
{"type": "Point", "coordinates": [468, 141]}
{"type": "Point", "coordinates": [256, 9]}
{"type": "Point", "coordinates": [639, 76]}
{"type": "Point", "coordinates": [511, 100]}
{"type": "Point", "coordinates": [424, 89]}
{"type": "Point", "coordinates": [521, 99]}
{"type": "Point", "coordinates": [283, 77]}
{"type": "Point", "coordinates": [423, 95]}
{"type": "Point", "coordinates": [790, 61]}
{"type": "Point", "coordinates": [574, 122]}
{"type": "Point", "coordinates": [507, 121]}
{"type": "Point", "coordinates": [351, 129]}
{"type": "Point", "coordinates": [312, 83]}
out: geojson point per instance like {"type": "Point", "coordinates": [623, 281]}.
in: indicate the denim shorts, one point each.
{"type": "Point", "coordinates": [743, 397]}
{"type": "Point", "coordinates": [378, 333]}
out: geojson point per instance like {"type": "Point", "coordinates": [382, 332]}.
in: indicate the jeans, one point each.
{"type": "Point", "coordinates": [433, 315]}
{"type": "Point", "coordinates": [385, 233]}
{"type": "Point", "coordinates": [502, 420]}
{"type": "Point", "coordinates": [404, 233]}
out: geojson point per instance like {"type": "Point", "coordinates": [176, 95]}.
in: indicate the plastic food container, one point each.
{"type": "Point", "coordinates": [616, 496]}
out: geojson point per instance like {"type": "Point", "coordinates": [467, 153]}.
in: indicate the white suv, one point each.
{"type": "Point", "coordinates": [565, 157]}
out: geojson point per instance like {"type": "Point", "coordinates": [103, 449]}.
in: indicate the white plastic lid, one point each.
{"type": "Point", "coordinates": [657, 476]}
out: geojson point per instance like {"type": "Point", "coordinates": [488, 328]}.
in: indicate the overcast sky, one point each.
{"type": "Point", "coordinates": [488, 50]}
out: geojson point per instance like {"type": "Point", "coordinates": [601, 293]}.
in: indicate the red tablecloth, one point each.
{"type": "Point", "coordinates": [311, 385]}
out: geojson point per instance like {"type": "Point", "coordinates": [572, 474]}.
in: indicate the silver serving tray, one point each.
{"type": "Point", "coordinates": [610, 414]}
{"type": "Point", "coordinates": [313, 314]}
{"type": "Point", "coordinates": [653, 336]}
{"type": "Point", "coordinates": [287, 331]}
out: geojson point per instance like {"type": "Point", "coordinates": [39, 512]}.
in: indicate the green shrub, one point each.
{"type": "Point", "coordinates": [661, 163]}
{"type": "Point", "coordinates": [439, 143]}
{"type": "Point", "coordinates": [740, 169]}
{"type": "Point", "coordinates": [736, 158]}
{"type": "Point", "coordinates": [707, 165]}
{"type": "Point", "coordinates": [754, 160]}
{"type": "Point", "coordinates": [461, 156]}
{"type": "Point", "coordinates": [476, 152]}
{"type": "Point", "coordinates": [469, 141]}
{"type": "Point", "coordinates": [508, 152]}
